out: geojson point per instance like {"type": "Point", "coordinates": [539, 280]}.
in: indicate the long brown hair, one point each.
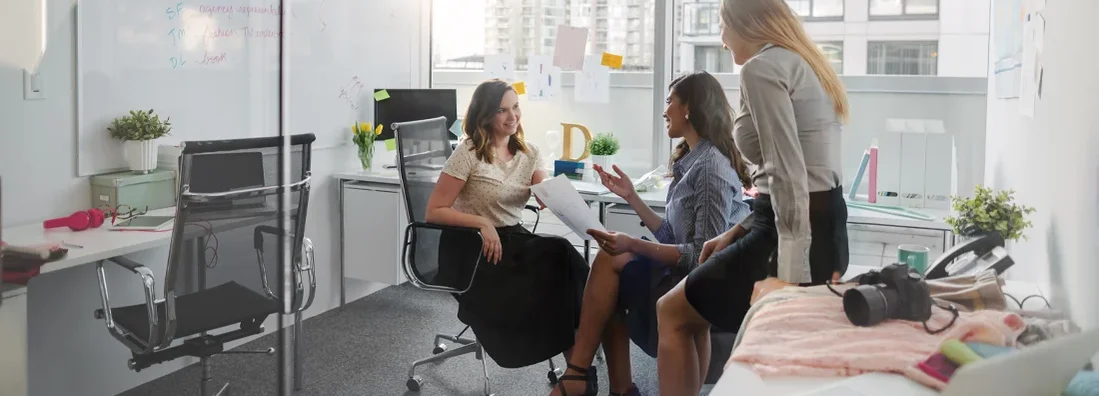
{"type": "Point", "coordinates": [478, 123]}
{"type": "Point", "coordinates": [711, 116]}
{"type": "Point", "coordinates": [772, 21]}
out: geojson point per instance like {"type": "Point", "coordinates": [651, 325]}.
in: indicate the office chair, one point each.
{"type": "Point", "coordinates": [219, 240]}
{"type": "Point", "coordinates": [423, 148]}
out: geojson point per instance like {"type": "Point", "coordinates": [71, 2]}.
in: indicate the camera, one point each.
{"type": "Point", "coordinates": [896, 292]}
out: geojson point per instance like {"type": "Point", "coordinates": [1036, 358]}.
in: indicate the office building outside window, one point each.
{"type": "Point", "coordinates": [914, 58]}
{"type": "Point", "coordinates": [833, 51]}
{"type": "Point", "coordinates": [818, 9]}
{"type": "Point", "coordinates": [904, 9]}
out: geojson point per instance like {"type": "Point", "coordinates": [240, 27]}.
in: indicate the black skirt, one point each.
{"type": "Point", "coordinates": [526, 308]}
{"type": "Point", "coordinates": [720, 288]}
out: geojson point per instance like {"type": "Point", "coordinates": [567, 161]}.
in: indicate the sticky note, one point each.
{"type": "Point", "coordinates": [520, 87]}
{"type": "Point", "coordinates": [390, 144]}
{"type": "Point", "coordinates": [381, 95]}
{"type": "Point", "coordinates": [611, 60]}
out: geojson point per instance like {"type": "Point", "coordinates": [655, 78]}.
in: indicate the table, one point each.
{"type": "Point", "coordinates": [96, 244]}
{"type": "Point", "coordinates": [738, 379]}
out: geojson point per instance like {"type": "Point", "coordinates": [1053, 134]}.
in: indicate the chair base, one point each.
{"type": "Point", "coordinates": [468, 346]}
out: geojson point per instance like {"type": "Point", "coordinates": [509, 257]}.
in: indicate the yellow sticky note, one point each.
{"type": "Point", "coordinates": [520, 87]}
{"type": "Point", "coordinates": [611, 60]}
{"type": "Point", "coordinates": [390, 144]}
{"type": "Point", "coordinates": [381, 95]}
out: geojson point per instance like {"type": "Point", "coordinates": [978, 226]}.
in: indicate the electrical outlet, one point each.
{"type": "Point", "coordinates": [33, 88]}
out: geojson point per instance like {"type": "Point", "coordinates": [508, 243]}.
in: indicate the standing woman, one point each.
{"type": "Point", "coordinates": [792, 106]}
{"type": "Point", "coordinates": [524, 303]}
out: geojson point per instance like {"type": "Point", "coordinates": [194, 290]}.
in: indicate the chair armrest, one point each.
{"type": "Point", "coordinates": [258, 234]}
{"type": "Point", "coordinates": [537, 216]}
{"type": "Point", "coordinates": [304, 267]}
{"type": "Point", "coordinates": [407, 265]}
{"type": "Point", "coordinates": [148, 282]}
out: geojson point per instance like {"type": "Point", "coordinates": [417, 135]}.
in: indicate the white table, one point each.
{"type": "Point", "coordinates": [738, 378]}
{"type": "Point", "coordinates": [96, 244]}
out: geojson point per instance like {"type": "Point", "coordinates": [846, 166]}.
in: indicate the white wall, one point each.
{"type": "Point", "coordinates": [70, 352]}
{"type": "Point", "coordinates": [1050, 161]}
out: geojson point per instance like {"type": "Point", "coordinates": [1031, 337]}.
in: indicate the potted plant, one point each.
{"type": "Point", "coordinates": [989, 212]}
{"type": "Point", "coordinates": [138, 133]}
{"type": "Point", "coordinates": [603, 148]}
{"type": "Point", "coordinates": [363, 135]}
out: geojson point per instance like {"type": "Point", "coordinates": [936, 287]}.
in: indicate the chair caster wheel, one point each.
{"type": "Point", "coordinates": [440, 348]}
{"type": "Point", "coordinates": [414, 383]}
{"type": "Point", "coordinates": [555, 375]}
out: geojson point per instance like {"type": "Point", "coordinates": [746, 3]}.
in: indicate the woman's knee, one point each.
{"type": "Point", "coordinates": [673, 309]}
{"type": "Point", "coordinates": [606, 262]}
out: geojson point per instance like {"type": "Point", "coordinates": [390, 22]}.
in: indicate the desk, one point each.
{"type": "Point", "coordinates": [733, 380]}
{"type": "Point", "coordinates": [369, 201]}
{"type": "Point", "coordinates": [98, 244]}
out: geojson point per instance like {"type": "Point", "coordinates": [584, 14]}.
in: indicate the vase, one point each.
{"type": "Point", "coordinates": [366, 156]}
{"type": "Point", "coordinates": [140, 155]}
{"type": "Point", "coordinates": [603, 161]}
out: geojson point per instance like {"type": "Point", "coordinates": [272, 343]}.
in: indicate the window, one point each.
{"type": "Point", "coordinates": [905, 9]}
{"type": "Point", "coordinates": [700, 19]}
{"type": "Point", "coordinates": [713, 58]}
{"type": "Point", "coordinates": [833, 50]}
{"type": "Point", "coordinates": [818, 9]}
{"type": "Point", "coordinates": [916, 58]}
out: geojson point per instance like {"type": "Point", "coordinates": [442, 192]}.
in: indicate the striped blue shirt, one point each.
{"type": "Point", "coordinates": [704, 200]}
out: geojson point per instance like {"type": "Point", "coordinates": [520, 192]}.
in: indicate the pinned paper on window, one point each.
{"type": "Point", "coordinates": [593, 82]}
{"type": "Point", "coordinates": [500, 66]}
{"type": "Point", "coordinates": [569, 48]}
{"type": "Point", "coordinates": [543, 78]}
{"type": "Point", "coordinates": [1032, 58]}
{"type": "Point", "coordinates": [381, 95]}
{"type": "Point", "coordinates": [519, 87]}
{"type": "Point", "coordinates": [611, 60]}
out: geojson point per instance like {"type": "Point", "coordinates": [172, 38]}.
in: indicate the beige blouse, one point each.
{"type": "Point", "coordinates": [496, 191]}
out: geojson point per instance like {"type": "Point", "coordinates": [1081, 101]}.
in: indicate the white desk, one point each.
{"type": "Point", "coordinates": [98, 244]}
{"type": "Point", "coordinates": [733, 381]}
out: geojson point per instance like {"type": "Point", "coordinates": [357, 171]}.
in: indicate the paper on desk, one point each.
{"type": "Point", "coordinates": [565, 202]}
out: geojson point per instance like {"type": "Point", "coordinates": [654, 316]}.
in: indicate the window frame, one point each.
{"type": "Point", "coordinates": [870, 61]}
{"type": "Point", "coordinates": [904, 15]}
{"type": "Point", "coordinates": [832, 18]}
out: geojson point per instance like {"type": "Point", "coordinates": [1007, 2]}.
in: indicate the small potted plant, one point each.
{"type": "Point", "coordinates": [363, 135]}
{"type": "Point", "coordinates": [989, 212]}
{"type": "Point", "coordinates": [603, 148]}
{"type": "Point", "coordinates": [138, 133]}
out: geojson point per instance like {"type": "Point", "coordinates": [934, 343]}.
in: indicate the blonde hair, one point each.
{"type": "Point", "coordinates": [772, 21]}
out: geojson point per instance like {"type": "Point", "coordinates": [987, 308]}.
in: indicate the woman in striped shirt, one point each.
{"type": "Point", "coordinates": [630, 274]}
{"type": "Point", "coordinates": [792, 106]}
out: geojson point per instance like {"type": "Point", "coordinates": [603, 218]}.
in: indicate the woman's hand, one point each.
{"type": "Point", "coordinates": [721, 242]}
{"type": "Point", "coordinates": [620, 185]}
{"type": "Point", "coordinates": [763, 287]}
{"type": "Point", "coordinates": [490, 244]}
{"type": "Point", "coordinates": [614, 243]}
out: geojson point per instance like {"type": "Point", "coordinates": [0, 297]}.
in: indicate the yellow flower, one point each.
{"type": "Point", "coordinates": [364, 126]}
{"type": "Point", "coordinates": [378, 131]}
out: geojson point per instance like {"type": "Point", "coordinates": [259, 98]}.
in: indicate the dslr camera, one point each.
{"type": "Point", "coordinates": [896, 292]}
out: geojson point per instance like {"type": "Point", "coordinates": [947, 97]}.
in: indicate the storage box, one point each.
{"type": "Point", "coordinates": [156, 189]}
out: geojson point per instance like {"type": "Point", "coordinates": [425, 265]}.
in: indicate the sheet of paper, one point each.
{"type": "Point", "coordinates": [565, 202]}
{"type": "Point", "coordinates": [543, 78]}
{"type": "Point", "coordinates": [569, 49]}
{"type": "Point", "coordinates": [500, 66]}
{"type": "Point", "coordinates": [1028, 88]}
{"type": "Point", "coordinates": [593, 83]}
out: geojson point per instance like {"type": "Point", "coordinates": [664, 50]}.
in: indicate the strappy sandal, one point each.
{"type": "Point", "coordinates": [632, 392]}
{"type": "Point", "coordinates": [590, 380]}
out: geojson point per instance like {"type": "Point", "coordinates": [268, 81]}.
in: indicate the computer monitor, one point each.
{"type": "Point", "coordinates": [406, 105]}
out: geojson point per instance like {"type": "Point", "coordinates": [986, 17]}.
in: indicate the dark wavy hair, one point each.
{"type": "Point", "coordinates": [711, 116]}
{"type": "Point", "coordinates": [477, 124]}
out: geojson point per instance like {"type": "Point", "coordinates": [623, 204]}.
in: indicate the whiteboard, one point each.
{"type": "Point", "coordinates": [213, 67]}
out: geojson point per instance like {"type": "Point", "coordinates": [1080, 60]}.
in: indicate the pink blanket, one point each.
{"type": "Point", "coordinates": [811, 336]}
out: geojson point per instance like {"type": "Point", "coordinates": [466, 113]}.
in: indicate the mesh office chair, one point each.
{"type": "Point", "coordinates": [233, 217]}
{"type": "Point", "coordinates": [424, 147]}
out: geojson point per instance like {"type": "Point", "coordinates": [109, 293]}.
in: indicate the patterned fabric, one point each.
{"type": "Point", "coordinates": [496, 191]}
{"type": "Point", "coordinates": [703, 201]}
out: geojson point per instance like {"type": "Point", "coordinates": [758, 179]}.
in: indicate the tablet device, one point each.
{"type": "Point", "coordinates": [145, 223]}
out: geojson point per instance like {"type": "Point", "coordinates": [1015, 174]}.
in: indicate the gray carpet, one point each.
{"type": "Point", "coordinates": [366, 349]}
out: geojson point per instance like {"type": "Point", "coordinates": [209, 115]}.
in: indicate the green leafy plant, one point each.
{"type": "Point", "coordinates": [603, 144]}
{"type": "Point", "coordinates": [990, 211]}
{"type": "Point", "coordinates": [139, 125]}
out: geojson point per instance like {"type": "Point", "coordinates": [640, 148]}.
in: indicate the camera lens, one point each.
{"type": "Point", "coordinates": [868, 305]}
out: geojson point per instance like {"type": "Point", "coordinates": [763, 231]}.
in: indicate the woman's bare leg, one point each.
{"type": "Point", "coordinates": [679, 362]}
{"type": "Point", "coordinates": [616, 345]}
{"type": "Point", "coordinates": [600, 300]}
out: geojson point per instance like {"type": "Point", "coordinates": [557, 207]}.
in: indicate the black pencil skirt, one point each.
{"type": "Point", "coordinates": [526, 308]}
{"type": "Point", "coordinates": [720, 288]}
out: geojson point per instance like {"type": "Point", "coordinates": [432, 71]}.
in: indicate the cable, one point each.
{"type": "Point", "coordinates": [1048, 305]}
{"type": "Point", "coordinates": [212, 251]}
{"type": "Point", "coordinates": [1016, 300]}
